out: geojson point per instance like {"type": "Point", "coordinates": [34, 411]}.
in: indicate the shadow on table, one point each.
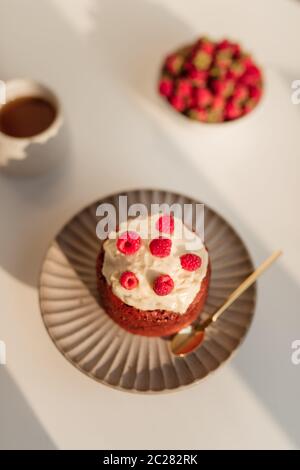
{"type": "Point", "coordinates": [264, 361]}
{"type": "Point", "coordinates": [20, 428]}
{"type": "Point", "coordinates": [23, 239]}
{"type": "Point", "coordinates": [32, 210]}
{"type": "Point", "coordinates": [136, 36]}
{"type": "Point", "coordinates": [129, 39]}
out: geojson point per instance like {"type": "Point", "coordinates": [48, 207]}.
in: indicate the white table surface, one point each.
{"type": "Point", "coordinates": [102, 58]}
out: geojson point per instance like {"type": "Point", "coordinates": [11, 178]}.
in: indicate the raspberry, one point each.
{"type": "Point", "coordinates": [174, 63]}
{"type": "Point", "coordinates": [190, 262]}
{"type": "Point", "coordinates": [203, 44]}
{"type": "Point", "coordinates": [207, 46]}
{"type": "Point", "coordinates": [255, 92]}
{"type": "Point", "coordinates": [198, 77]}
{"type": "Point", "coordinates": [223, 59]}
{"type": "Point", "coordinates": [177, 102]}
{"type": "Point", "coordinates": [246, 60]}
{"type": "Point", "coordinates": [225, 44]}
{"type": "Point", "coordinates": [236, 49]}
{"type": "Point", "coordinates": [189, 68]}
{"type": "Point", "coordinates": [252, 76]}
{"type": "Point", "coordinates": [223, 87]}
{"type": "Point", "coordinates": [198, 114]}
{"type": "Point", "coordinates": [165, 87]}
{"type": "Point", "coordinates": [218, 103]}
{"type": "Point", "coordinates": [128, 280]}
{"type": "Point", "coordinates": [230, 48]}
{"type": "Point", "coordinates": [240, 93]}
{"type": "Point", "coordinates": [129, 243]}
{"type": "Point", "coordinates": [165, 224]}
{"type": "Point", "coordinates": [237, 69]}
{"type": "Point", "coordinates": [232, 110]}
{"type": "Point", "coordinates": [160, 247]}
{"type": "Point", "coordinates": [203, 97]}
{"type": "Point", "coordinates": [249, 105]}
{"type": "Point", "coordinates": [163, 285]}
{"type": "Point", "coordinates": [184, 88]}
{"type": "Point", "coordinates": [191, 101]}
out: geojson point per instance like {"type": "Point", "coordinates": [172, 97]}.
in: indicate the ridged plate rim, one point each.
{"type": "Point", "coordinates": [166, 193]}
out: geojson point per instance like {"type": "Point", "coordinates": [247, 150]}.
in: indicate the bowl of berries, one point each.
{"type": "Point", "coordinates": [211, 81]}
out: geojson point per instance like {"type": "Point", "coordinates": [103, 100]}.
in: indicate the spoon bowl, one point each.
{"type": "Point", "coordinates": [190, 338]}
{"type": "Point", "coordinates": [187, 341]}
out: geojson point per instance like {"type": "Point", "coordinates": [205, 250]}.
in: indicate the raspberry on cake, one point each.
{"type": "Point", "coordinates": [157, 285]}
{"type": "Point", "coordinates": [165, 224]}
{"type": "Point", "coordinates": [211, 81]}
{"type": "Point", "coordinates": [160, 247]}
{"type": "Point", "coordinates": [163, 285]}
{"type": "Point", "coordinates": [128, 243]}
{"type": "Point", "coordinates": [190, 262]}
{"type": "Point", "coordinates": [128, 280]}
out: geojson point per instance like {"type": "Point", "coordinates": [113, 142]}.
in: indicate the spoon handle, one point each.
{"type": "Point", "coordinates": [246, 284]}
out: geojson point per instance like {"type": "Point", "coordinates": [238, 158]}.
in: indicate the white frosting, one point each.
{"type": "Point", "coordinates": [147, 267]}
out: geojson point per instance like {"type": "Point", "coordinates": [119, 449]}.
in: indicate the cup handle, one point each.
{"type": "Point", "coordinates": [11, 149]}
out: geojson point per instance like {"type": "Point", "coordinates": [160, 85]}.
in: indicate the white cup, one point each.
{"type": "Point", "coordinates": [29, 155]}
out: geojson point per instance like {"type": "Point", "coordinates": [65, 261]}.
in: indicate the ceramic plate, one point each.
{"type": "Point", "coordinates": [98, 347]}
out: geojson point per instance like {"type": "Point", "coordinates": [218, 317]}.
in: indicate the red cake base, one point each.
{"type": "Point", "coordinates": [148, 322]}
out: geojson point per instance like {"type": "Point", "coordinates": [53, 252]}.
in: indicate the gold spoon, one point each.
{"type": "Point", "coordinates": [190, 338]}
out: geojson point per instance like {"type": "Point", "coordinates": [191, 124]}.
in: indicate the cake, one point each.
{"type": "Point", "coordinates": [153, 275]}
{"type": "Point", "coordinates": [211, 81]}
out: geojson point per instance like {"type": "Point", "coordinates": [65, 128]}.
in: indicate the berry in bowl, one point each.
{"type": "Point", "coordinates": [211, 81]}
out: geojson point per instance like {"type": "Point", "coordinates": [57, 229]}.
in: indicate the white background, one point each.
{"type": "Point", "coordinates": [102, 59]}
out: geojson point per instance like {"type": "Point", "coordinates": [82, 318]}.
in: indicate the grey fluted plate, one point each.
{"type": "Point", "coordinates": [98, 347]}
